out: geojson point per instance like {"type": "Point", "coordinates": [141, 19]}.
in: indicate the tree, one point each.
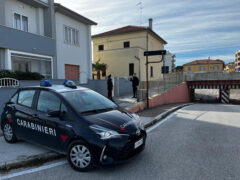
{"type": "Point", "coordinates": [100, 67]}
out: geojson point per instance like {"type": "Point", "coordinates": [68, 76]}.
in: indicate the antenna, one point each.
{"type": "Point", "coordinates": [140, 4]}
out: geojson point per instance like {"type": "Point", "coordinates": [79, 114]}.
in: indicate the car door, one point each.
{"type": "Point", "coordinates": [24, 113]}
{"type": "Point", "coordinates": [54, 129]}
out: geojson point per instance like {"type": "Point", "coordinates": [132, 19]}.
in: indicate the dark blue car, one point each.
{"type": "Point", "coordinates": [76, 121]}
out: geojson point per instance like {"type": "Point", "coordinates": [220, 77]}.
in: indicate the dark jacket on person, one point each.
{"type": "Point", "coordinates": [135, 81]}
{"type": "Point", "coordinates": [109, 84]}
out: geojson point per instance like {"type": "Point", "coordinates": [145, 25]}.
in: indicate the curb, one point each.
{"type": "Point", "coordinates": [160, 117]}
{"type": "Point", "coordinates": [30, 161]}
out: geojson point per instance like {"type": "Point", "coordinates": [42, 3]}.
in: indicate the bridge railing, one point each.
{"type": "Point", "coordinates": [8, 83]}
{"type": "Point", "coordinates": [212, 76]}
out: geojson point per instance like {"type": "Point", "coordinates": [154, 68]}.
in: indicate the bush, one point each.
{"type": "Point", "coordinates": [21, 75]}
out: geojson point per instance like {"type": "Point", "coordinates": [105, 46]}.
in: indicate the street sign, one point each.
{"type": "Point", "coordinates": [154, 53]}
{"type": "Point", "coordinates": [165, 69]}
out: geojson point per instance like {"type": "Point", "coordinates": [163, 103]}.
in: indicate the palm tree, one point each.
{"type": "Point", "coordinates": [100, 67]}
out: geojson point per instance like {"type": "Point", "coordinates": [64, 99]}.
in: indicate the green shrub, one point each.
{"type": "Point", "coordinates": [21, 75]}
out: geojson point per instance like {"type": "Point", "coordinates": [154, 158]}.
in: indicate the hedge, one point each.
{"type": "Point", "coordinates": [21, 75]}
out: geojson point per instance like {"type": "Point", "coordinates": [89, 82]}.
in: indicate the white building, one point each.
{"type": "Point", "coordinates": [169, 61]}
{"type": "Point", "coordinates": [41, 36]}
{"type": "Point", "coordinates": [73, 38]}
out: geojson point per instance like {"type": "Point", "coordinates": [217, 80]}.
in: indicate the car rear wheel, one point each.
{"type": "Point", "coordinates": [8, 133]}
{"type": "Point", "coordinates": [80, 156]}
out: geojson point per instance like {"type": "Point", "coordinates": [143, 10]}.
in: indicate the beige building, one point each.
{"type": "Point", "coordinates": [122, 50]}
{"type": "Point", "coordinates": [204, 65]}
{"type": "Point", "coordinates": [230, 67]}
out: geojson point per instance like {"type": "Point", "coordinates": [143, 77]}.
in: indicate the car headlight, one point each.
{"type": "Point", "coordinates": [139, 122]}
{"type": "Point", "coordinates": [104, 133]}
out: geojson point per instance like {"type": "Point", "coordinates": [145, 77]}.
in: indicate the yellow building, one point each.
{"type": "Point", "coordinates": [237, 61]}
{"type": "Point", "coordinates": [122, 50]}
{"type": "Point", "coordinates": [204, 65]}
{"type": "Point", "coordinates": [230, 67]}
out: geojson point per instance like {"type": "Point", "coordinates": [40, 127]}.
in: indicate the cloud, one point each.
{"type": "Point", "coordinates": [193, 29]}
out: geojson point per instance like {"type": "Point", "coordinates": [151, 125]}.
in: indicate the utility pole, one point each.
{"type": "Point", "coordinates": [152, 53]}
{"type": "Point", "coordinates": [147, 93]}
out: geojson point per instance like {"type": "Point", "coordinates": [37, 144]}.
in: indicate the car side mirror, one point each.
{"type": "Point", "coordinates": [54, 114]}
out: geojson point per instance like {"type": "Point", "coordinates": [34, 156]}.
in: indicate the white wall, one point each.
{"type": "Point", "coordinates": [35, 16]}
{"type": "Point", "coordinates": [70, 54]}
{"type": "Point", "coordinates": [168, 60]}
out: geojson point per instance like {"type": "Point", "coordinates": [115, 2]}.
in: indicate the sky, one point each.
{"type": "Point", "coordinates": [194, 29]}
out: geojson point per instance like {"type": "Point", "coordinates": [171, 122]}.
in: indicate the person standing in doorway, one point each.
{"type": "Point", "coordinates": [135, 83]}
{"type": "Point", "coordinates": [110, 87]}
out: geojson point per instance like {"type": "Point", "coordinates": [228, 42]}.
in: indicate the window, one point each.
{"type": "Point", "coordinates": [26, 97]}
{"type": "Point", "coordinates": [20, 22]}
{"type": "Point", "coordinates": [14, 98]}
{"type": "Point", "coordinates": [24, 63]}
{"type": "Point", "coordinates": [24, 23]}
{"type": "Point", "coordinates": [17, 21]}
{"type": "Point", "coordinates": [189, 68]}
{"type": "Point", "coordinates": [202, 68]}
{"type": "Point", "coordinates": [71, 36]}
{"type": "Point", "coordinates": [101, 47]}
{"type": "Point", "coordinates": [48, 102]}
{"type": "Point", "coordinates": [87, 100]}
{"type": "Point", "coordinates": [126, 44]}
{"type": "Point", "coordinates": [151, 71]}
{"type": "Point", "coordinates": [216, 67]}
{"type": "Point", "coordinates": [131, 69]}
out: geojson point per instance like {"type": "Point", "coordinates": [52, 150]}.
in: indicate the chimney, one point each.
{"type": "Point", "coordinates": [150, 23]}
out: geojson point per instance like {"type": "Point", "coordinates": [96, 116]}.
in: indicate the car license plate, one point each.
{"type": "Point", "coordinates": [138, 143]}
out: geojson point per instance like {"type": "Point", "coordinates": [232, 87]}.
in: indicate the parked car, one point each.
{"type": "Point", "coordinates": [87, 127]}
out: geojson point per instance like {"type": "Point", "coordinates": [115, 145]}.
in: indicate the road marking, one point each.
{"type": "Point", "coordinates": [29, 171]}
{"type": "Point", "coordinates": [164, 120]}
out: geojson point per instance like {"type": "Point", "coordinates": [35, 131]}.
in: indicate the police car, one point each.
{"type": "Point", "coordinates": [76, 121]}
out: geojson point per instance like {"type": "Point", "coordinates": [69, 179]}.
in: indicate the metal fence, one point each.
{"type": "Point", "coordinates": [161, 85]}
{"type": "Point", "coordinates": [8, 83]}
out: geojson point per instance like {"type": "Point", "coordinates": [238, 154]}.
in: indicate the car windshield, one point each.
{"type": "Point", "coordinates": [86, 101]}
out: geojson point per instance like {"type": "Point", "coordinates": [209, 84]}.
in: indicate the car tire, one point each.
{"type": "Point", "coordinates": [80, 156]}
{"type": "Point", "coordinates": [8, 133]}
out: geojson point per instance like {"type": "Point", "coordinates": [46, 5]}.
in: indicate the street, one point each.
{"type": "Point", "coordinates": [200, 141]}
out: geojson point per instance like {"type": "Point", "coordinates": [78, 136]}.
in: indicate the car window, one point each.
{"type": "Point", "coordinates": [14, 98]}
{"type": "Point", "coordinates": [63, 108]}
{"type": "Point", "coordinates": [48, 102]}
{"type": "Point", "coordinates": [86, 100]}
{"type": "Point", "coordinates": [26, 97]}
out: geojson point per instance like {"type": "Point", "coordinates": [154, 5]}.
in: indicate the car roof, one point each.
{"type": "Point", "coordinates": [57, 88]}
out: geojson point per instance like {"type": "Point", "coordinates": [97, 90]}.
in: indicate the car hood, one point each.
{"type": "Point", "coordinates": [117, 120]}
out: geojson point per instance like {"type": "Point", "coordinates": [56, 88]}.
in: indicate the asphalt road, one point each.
{"type": "Point", "coordinates": [201, 141]}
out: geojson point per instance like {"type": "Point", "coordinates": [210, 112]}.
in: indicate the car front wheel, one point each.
{"type": "Point", "coordinates": [80, 156]}
{"type": "Point", "coordinates": [9, 134]}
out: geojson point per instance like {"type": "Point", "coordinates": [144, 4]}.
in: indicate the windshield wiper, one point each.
{"type": "Point", "coordinates": [97, 110]}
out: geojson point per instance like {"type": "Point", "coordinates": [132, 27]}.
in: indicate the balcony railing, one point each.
{"type": "Point", "coordinates": [24, 41]}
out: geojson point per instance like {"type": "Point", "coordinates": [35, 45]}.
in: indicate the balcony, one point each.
{"type": "Point", "coordinates": [25, 41]}
{"type": "Point", "coordinates": [36, 3]}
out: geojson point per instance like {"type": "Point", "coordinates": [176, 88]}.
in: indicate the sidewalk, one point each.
{"type": "Point", "coordinates": [23, 154]}
{"type": "Point", "coordinates": [125, 101]}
